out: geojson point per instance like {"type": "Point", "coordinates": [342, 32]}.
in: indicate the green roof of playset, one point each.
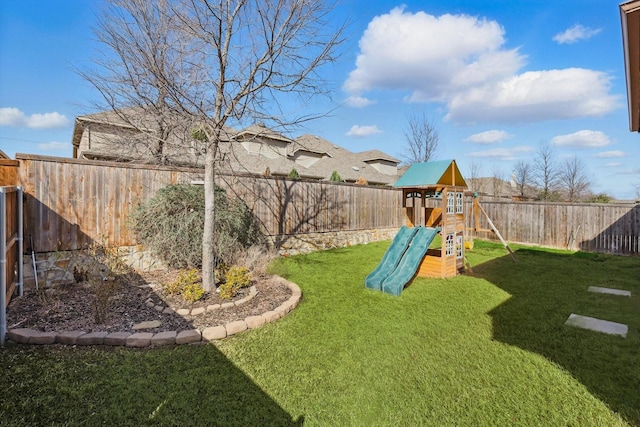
{"type": "Point", "coordinates": [431, 174]}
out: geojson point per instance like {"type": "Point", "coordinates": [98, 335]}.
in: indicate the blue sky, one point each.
{"type": "Point", "coordinates": [497, 79]}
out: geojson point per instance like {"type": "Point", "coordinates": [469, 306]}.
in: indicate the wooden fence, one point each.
{"type": "Point", "coordinates": [604, 228]}
{"type": "Point", "coordinates": [71, 203]}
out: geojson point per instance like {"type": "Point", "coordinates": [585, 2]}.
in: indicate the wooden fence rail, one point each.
{"type": "Point", "coordinates": [71, 203]}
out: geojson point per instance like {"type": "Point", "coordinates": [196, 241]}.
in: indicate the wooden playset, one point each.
{"type": "Point", "coordinates": [433, 196]}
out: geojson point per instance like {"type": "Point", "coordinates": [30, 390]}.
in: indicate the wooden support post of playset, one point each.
{"type": "Point", "coordinates": [495, 230]}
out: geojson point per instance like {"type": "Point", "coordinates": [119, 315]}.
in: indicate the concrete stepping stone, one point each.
{"type": "Point", "coordinates": [609, 291]}
{"type": "Point", "coordinates": [149, 324]}
{"type": "Point", "coordinates": [598, 325]}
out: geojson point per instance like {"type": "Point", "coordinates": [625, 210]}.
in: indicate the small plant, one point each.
{"type": "Point", "coordinates": [193, 292]}
{"type": "Point", "coordinates": [80, 274]}
{"type": "Point", "coordinates": [221, 271]}
{"type": "Point", "coordinates": [335, 177]}
{"type": "Point", "coordinates": [293, 174]}
{"type": "Point", "coordinates": [103, 291]}
{"type": "Point", "coordinates": [256, 258]}
{"type": "Point", "coordinates": [186, 285]}
{"type": "Point", "coordinates": [361, 181]}
{"type": "Point", "coordinates": [236, 279]}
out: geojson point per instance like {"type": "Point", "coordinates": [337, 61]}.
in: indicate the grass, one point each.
{"type": "Point", "coordinates": [482, 349]}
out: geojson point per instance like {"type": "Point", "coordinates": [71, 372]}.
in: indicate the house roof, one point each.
{"type": "Point", "coordinates": [235, 156]}
{"type": "Point", "coordinates": [261, 131]}
{"type": "Point", "coordinates": [430, 174]}
{"type": "Point", "coordinates": [630, 17]}
{"type": "Point", "coordinates": [372, 155]}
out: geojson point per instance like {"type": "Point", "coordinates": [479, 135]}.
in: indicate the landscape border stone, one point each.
{"type": "Point", "coordinates": [150, 339]}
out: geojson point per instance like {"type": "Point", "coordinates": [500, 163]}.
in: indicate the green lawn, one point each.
{"type": "Point", "coordinates": [482, 349]}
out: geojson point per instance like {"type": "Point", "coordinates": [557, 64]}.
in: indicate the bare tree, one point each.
{"type": "Point", "coordinates": [545, 171]}
{"type": "Point", "coordinates": [132, 75]}
{"type": "Point", "coordinates": [213, 62]}
{"type": "Point", "coordinates": [422, 139]}
{"type": "Point", "coordinates": [475, 181]}
{"type": "Point", "coordinates": [574, 179]}
{"type": "Point", "coordinates": [523, 173]}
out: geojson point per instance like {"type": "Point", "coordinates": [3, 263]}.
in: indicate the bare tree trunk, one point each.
{"type": "Point", "coordinates": [208, 238]}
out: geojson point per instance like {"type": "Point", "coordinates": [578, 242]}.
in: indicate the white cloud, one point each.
{"type": "Point", "coordinates": [507, 154]}
{"type": "Point", "coordinates": [537, 96]}
{"type": "Point", "coordinates": [582, 139]}
{"type": "Point", "coordinates": [575, 34]}
{"type": "Point", "coordinates": [611, 154]}
{"type": "Point", "coordinates": [489, 137]}
{"type": "Point", "coordinates": [55, 146]}
{"type": "Point", "coordinates": [462, 61]}
{"type": "Point", "coordinates": [10, 116]}
{"type": "Point", "coordinates": [359, 101]}
{"type": "Point", "coordinates": [430, 56]}
{"type": "Point", "coordinates": [613, 165]}
{"type": "Point", "coordinates": [362, 131]}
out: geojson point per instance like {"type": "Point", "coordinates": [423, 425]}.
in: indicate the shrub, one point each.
{"type": "Point", "coordinates": [193, 292]}
{"type": "Point", "coordinates": [361, 181]}
{"type": "Point", "coordinates": [187, 285]}
{"type": "Point", "coordinates": [170, 224]}
{"type": "Point", "coordinates": [293, 174]}
{"type": "Point", "coordinates": [236, 279]}
{"type": "Point", "coordinates": [256, 259]}
{"type": "Point", "coordinates": [184, 279]}
{"type": "Point", "coordinates": [335, 177]}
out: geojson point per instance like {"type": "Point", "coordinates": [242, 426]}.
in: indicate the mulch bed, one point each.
{"type": "Point", "coordinates": [72, 307]}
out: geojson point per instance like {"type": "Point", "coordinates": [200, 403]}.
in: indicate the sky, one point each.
{"type": "Point", "coordinates": [497, 79]}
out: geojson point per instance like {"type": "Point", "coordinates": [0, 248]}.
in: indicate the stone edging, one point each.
{"type": "Point", "coordinates": [201, 310]}
{"type": "Point", "coordinates": [150, 339]}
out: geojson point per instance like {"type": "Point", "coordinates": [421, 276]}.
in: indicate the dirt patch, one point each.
{"type": "Point", "coordinates": [137, 299]}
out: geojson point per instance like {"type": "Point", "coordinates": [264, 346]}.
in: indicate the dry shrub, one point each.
{"type": "Point", "coordinates": [256, 258]}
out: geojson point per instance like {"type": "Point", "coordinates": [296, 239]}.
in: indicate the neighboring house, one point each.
{"type": "Point", "coordinates": [254, 150]}
{"type": "Point", "coordinates": [630, 18]}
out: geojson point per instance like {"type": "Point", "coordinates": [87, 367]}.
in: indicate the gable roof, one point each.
{"type": "Point", "coordinates": [430, 174]}
{"type": "Point", "coordinates": [372, 155]}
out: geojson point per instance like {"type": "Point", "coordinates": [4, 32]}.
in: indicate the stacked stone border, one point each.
{"type": "Point", "coordinates": [150, 339]}
{"type": "Point", "coordinates": [201, 310]}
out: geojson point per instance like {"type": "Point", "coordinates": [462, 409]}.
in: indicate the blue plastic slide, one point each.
{"type": "Point", "coordinates": [391, 258]}
{"type": "Point", "coordinates": [410, 262]}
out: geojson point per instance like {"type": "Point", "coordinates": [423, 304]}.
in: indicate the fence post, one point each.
{"type": "Point", "coordinates": [19, 200]}
{"type": "Point", "coordinates": [3, 264]}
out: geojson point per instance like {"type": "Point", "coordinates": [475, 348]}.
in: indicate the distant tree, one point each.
{"type": "Point", "coordinates": [574, 179]}
{"type": "Point", "coordinates": [545, 172]}
{"type": "Point", "coordinates": [206, 63]}
{"type": "Point", "coordinates": [523, 174]}
{"type": "Point", "coordinates": [335, 177]}
{"type": "Point", "coordinates": [422, 139]}
{"type": "Point", "coordinates": [475, 181]}
{"type": "Point", "coordinates": [600, 198]}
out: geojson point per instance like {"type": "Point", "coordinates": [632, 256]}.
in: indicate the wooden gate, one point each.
{"type": "Point", "coordinates": [11, 250]}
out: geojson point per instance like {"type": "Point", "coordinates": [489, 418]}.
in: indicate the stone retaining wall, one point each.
{"type": "Point", "coordinates": [311, 242]}
{"type": "Point", "coordinates": [57, 267]}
